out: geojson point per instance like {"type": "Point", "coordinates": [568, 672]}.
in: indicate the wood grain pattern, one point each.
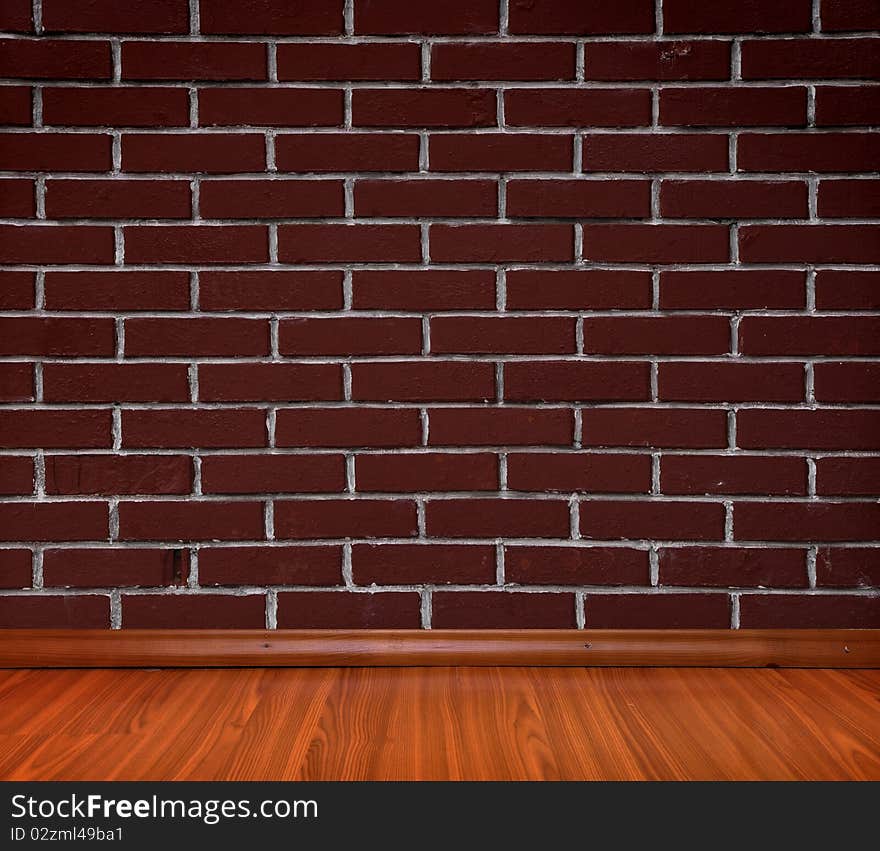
{"type": "Point", "coordinates": [502, 723]}
{"type": "Point", "coordinates": [836, 648]}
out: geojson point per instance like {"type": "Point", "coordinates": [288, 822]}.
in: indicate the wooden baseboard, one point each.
{"type": "Point", "coordinates": [746, 648]}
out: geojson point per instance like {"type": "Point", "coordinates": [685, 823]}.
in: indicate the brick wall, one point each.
{"type": "Point", "coordinates": [534, 313]}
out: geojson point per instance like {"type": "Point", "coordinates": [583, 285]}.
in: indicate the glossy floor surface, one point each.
{"type": "Point", "coordinates": [439, 723]}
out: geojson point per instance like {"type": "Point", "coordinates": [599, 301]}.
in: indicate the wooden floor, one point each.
{"type": "Point", "coordinates": [439, 723]}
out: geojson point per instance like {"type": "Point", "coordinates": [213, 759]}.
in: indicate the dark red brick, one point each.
{"type": "Point", "coordinates": [613, 199]}
{"type": "Point", "coordinates": [53, 521]}
{"type": "Point", "coordinates": [348, 427]}
{"type": "Point", "coordinates": [262, 107]}
{"type": "Point", "coordinates": [503, 335]}
{"type": "Point", "coordinates": [568, 289]}
{"type": "Point", "coordinates": [407, 564]}
{"type": "Point", "coordinates": [417, 381]}
{"type": "Point", "coordinates": [115, 382]}
{"type": "Point", "coordinates": [350, 336]}
{"type": "Point", "coordinates": [345, 518]}
{"type": "Point", "coordinates": [346, 610]}
{"type": "Point", "coordinates": [121, 107]}
{"type": "Point", "coordinates": [117, 290]}
{"type": "Point", "coordinates": [454, 17]}
{"type": "Point", "coordinates": [110, 567]}
{"type": "Point", "coordinates": [661, 61]}
{"type": "Point", "coordinates": [510, 61]}
{"type": "Point", "coordinates": [732, 474]}
{"type": "Point", "coordinates": [16, 475]}
{"type": "Point", "coordinates": [17, 382]}
{"type": "Point", "coordinates": [349, 243]}
{"type": "Point", "coordinates": [809, 611]}
{"type": "Point", "coordinates": [273, 474]}
{"type": "Point", "coordinates": [657, 427]}
{"type": "Point", "coordinates": [51, 428]}
{"type": "Point", "coordinates": [729, 567]}
{"type": "Point", "coordinates": [500, 427]}
{"type": "Point", "coordinates": [547, 17]}
{"type": "Point", "coordinates": [808, 429]}
{"type": "Point", "coordinates": [211, 153]}
{"type": "Point", "coordinates": [688, 521]}
{"type": "Point", "coordinates": [281, 290]}
{"type": "Point", "coordinates": [320, 61]}
{"type": "Point", "coordinates": [118, 474]}
{"type": "Point", "coordinates": [194, 427]}
{"type": "Point", "coordinates": [737, 16]}
{"type": "Point", "coordinates": [657, 611]}
{"type": "Point", "coordinates": [54, 59]}
{"type": "Point", "coordinates": [343, 152]}
{"type": "Point", "coordinates": [845, 381]}
{"type": "Point", "coordinates": [575, 566]}
{"type": "Point", "coordinates": [642, 243]}
{"type": "Point", "coordinates": [500, 152]}
{"type": "Point", "coordinates": [848, 476]}
{"type": "Point", "coordinates": [732, 289]}
{"type": "Point", "coordinates": [285, 565]}
{"type": "Point", "coordinates": [109, 16]}
{"type": "Point", "coordinates": [501, 610]}
{"type": "Point", "coordinates": [51, 244]}
{"type": "Point", "coordinates": [15, 568]}
{"type": "Point", "coordinates": [848, 567]}
{"type": "Point", "coordinates": [577, 381]}
{"type": "Point", "coordinates": [193, 611]}
{"type": "Point", "coordinates": [190, 521]}
{"type": "Point", "coordinates": [423, 108]}
{"type": "Point", "coordinates": [192, 60]}
{"type": "Point", "coordinates": [655, 152]}
{"type": "Point", "coordinates": [493, 518]}
{"type": "Point", "coordinates": [713, 381]}
{"type": "Point", "coordinates": [730, 199]}
{"type": "Point", "coordinates": [579, 471]}
{"type": "Point", "coordinates": [423, 289]}
{"type": "Point", "coordinates": [55, 611]}
{"type": "Point", "coordinates": [196, 336]}
{"type": "Point", "coordinates": [577, 107]}
{"type": "Point", "coordinates": [426, 198]}
{"type": "Point", "coordinates": [426, 471]}
{"type": "Point", "coordinates": [805, 521]}
{"type": "Point", "coordinates": [269, 382]}
{"type": "Point", "coordinates": [271, 17]}
{"type": "Point", "coordinates": [498, 243]}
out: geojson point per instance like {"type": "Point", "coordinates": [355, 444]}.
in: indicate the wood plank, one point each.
{"type": "Point", "coordinates": [306, 648]}
{"type": "Point", "coordinates": [502, 723]}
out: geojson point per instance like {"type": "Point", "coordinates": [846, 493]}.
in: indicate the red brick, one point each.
{"type": "Point", "coordinates": [550, 17]}
{"type": "Point", "coordinates": [733, 474]}
{"type": "Point", "coordinates": [576, 381]}
{"type": "Point", "coordinates": [688, 521]}
{"type": "Point", "coordinates": [114, 568]}
{"type": "Point", "coordinates": [729, 199]}
{"type": "Point", "coordinates": [190, 521]}
{"type": "Point", "coordinates": [15, 104]}
{"type": "Point", "coordinates": [15, 568]}
{"type": "Point", "coordinates": [388, 61]}
{"type": "Point", "coordinates": [510, 61]}
{"type": "Point", "coordinates": [17, 382]}
{"type": "Point", "coordinates": [728, 567]}
{"type": "Point", "coordinates": [668, 335]}
{"type": "Point", "coordinates": [658, 427]}
{"type": "Point", "coordinates": [193, 611]}
{"type": "Point", "coordinates": [273, 474]}
{"type": "Point", "coordinates": [115, 382]}
{"type": "Point", "coordinates": [118, 199]}
{"type": "Point", "coordinates": [429, 471]}
{"type": "Point", "coordinates": [736, 16]}
{"type": "Point", "coordinates": [847, 15]}
{"type": "Point", "coordinates": [17, 290]}
{"type": "Point", "coordinates": [847, 290]}
{"type": "Point", "coordinates": [349, 243]}
{"type": "Point", "coordinates": [121, 107]}
{"type": "Point", "coordinates": [345, 518]}
{"type": "Point", "coordinates": [197, 244]}
{"type": "Point", "coordinates": [712, 381]}
{"type": "Point", "coordinates": [270, 199]}
{"type": "Point", "coordinates": [16, 477]}
{"type": "Point", "coordinates": [46, 244]}
{"type": "Point", "coordinates": [850, 567]}
{"type": "Point", "coordinates": [839, 106]}
{"type": "Point", "coordinates": [417, 381]}
{"type": "Point", "coordinates": [501, 243]}
{"type": "Point", "coordinates": [211, 153]}
{"type": "Point", "coordinates": [577, 107]}
{"type": "Point", "coordinates": [17, 16]}
{"type": "Point", "coordinates": [649, 243]}
{"type": "Point", "coordinates": [809, 611]}
{"type": "Point", "coordinates": [454, 17]}
{"type": "Point", "coordinates": [579, 471]}
{"type": "Point", "coordinates": [270, 107]}
{"type": "Point", "coordinates": [810, 244]}
{"type": "Point", "coordinates": [783, 106]}
{"type": "Point", "coordinates": [423, 289]}
{"type": "Point", "coordinates": [190, 428]}
{"type": "Point", "coordinates": [501, 610]}
{"type": "Point", "coordinates": [426, 198]}
{"type": "Point", "coordinates": [575, 566]}
{"type": "Point", "coordinates": [657, 611]}
{"type": "Point", "coordinates": [350, 336]}
{"type": "Point", "coordinates": [809, 335]}
{"type": "Point", "coordinates": [54, 611]}
{"type": "Point", "coordinates": [342, 152]}
{"type": "Point", "coordinates": [423, 108]}
{"type": "Point", "coordinates": [17, 199]}
{"type": "Point", "coordinates": [53, 521]}
{"type": "Point", "coordinates": [807, 152]}
{"type": "Point", "coordinates": [269, 382]}
{"type": "Point", "coordinates": [54, 152]}
{"type": "Point", "coordinates": [732, 289]}
{"type": "Point", "coordinates": [500, 427]}
{"type": "Point", "coordinates": [847, 382]}
{"type": "Point", "coordinates": [293, 565]}
{"type": "Point", "coordinates": [650, 152]}
{"type": "Point", "coordinates": [271, 17]}
{"type": "Point", "coordinates": [54, 59]}
{"type": "Point", "coordinates": [407, 564]}
{"type": "Point", "coordinates": [849, 199]}
{"type": "Point", "coordinates": [848, 476]}
{"type": "Point", "coordinates": [661, 61]}
{"type": "Point", "coordinates": [118, 474]}
{"type": "Point", "coordinates": [611, 199]}
{"type": "Point", "coordinates": [499, 152]}
{"type": "Point", "coordinates": [805, 521]}
{"type": "Point", "coordinates": [493, 518]}
{"type": "Point", "coordinates": [513, 334]}
{"type": "Point", "coordinates": [198, 336]}
{"type": "Point", "coordinates": [808, 58]}
{"type": "Point", "coordinates": [348, 427]}
{"type": "Point", "coordinates": [117, 290]}
{"type": "Point", "coordinates": [109, 16]}
{"type": "Point", "coordinates": [588, 289]}
{"type": "Point", "coordinates": [276, 290]}
{"type": "Point", "coordinates": [777, 429]}
{"type": "Point", "coordinates": [179, 60]}
{"type": "Point", "coordinates": [57, 337]}
{"type": "Point", "coordinates": [345, 610]}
